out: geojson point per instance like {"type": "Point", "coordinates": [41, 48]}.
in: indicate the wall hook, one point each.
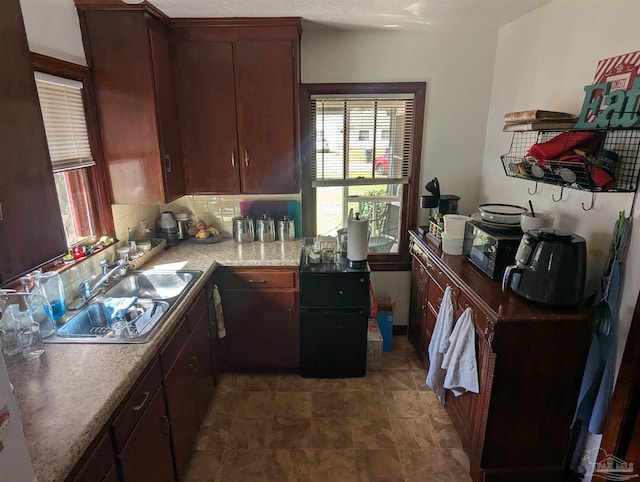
{"type": "Point", "coordinates": [593, 200]}
{"type": "Point", "coordinates": [561, 194]}
{"type": "Point", "coordinates": [535, 191]}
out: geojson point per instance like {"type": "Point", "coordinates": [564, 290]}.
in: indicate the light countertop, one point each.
{"type": "Point", "coordinates": [69, 393]}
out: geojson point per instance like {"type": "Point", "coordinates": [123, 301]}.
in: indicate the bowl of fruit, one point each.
{"type": "Point", "coordinates": [203, 234]}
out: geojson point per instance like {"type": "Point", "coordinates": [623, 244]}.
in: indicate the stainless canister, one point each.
{"type": "Point", "coordinates": [243, 229]}
{"type": "Point", "coordinates": [265, 229]}
{"type": "Point", "coordinates": [286, 229]}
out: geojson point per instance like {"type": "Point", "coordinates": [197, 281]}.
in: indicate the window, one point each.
{"type": "Point", "coordinates": [373, 166]}
{"type": "Point", "coordinates": [68, 141]}
{"type": "Point", "coordinates": [62, 90]}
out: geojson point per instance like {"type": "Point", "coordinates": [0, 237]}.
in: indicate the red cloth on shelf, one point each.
{"type": "Point", "coordinates": [564, 144]}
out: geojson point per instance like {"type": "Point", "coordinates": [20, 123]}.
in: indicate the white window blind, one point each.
{"type": "Point", "coordinates": [64, 122]}
{"type": "Point", "coordinates": [363, 139]}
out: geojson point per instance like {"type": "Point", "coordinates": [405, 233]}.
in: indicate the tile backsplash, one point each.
{"type": "Point", "coordinates": [215, 210]}
{"type": "Point", "coordinates": [219, 210]}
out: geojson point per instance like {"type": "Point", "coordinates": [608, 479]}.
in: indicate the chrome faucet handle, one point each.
{"type": "Point", "coordinates": [85, 287]}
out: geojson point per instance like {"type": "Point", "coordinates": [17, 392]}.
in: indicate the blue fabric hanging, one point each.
{"type": "Point", "coordinates": [598, 378]}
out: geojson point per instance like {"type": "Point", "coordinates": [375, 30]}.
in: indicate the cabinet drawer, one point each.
{"type": "Point", "coordinates": [439, 277]}
{"type": "Point", "coordinates": [135, 406]}
{"type": "Point", "coordinates": [484, 327]}
{"type": "Point", "coordinates": [430, 321]}
{"type": "Point", "coordinates": [256, 279]}
{"type": "Point", "coordinates": [434, 296]}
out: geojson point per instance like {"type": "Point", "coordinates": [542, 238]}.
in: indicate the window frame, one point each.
{"type": "Point", "coordinates": [98, 180]}
{"type": "Point", "coordinates": [378, 262]}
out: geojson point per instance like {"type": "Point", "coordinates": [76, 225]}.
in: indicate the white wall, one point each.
{"type": "Point", "coordinates": [53, 29]}
{"type": "Point", "coordinates": [544, 60]}
{"type": "Point", "coordinates": [457, 68]}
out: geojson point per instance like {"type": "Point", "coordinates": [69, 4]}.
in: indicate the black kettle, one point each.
{"type": "Point", "coordinates": [550, 268]}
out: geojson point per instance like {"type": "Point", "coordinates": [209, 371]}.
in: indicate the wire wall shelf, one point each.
{"type": "Point", "coordinates": [613, 168]}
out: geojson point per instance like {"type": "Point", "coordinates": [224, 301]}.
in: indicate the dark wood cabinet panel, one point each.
{"type": "Point", "coordinates": [147, 454]}
{"type": "Point", "coordinates": [180, 392]}
{"type": "Point", "coordinates": [530, 359]}
{"type": "Point", "coordinates": [128, 52]}
{"type": "Point", "coordinates": [99, 464]}
{"type": "Point", "coordinates": [262, 329]}
{"type": "Point", "coordinates": [31, 230]}
{"type": "Point", "coordinates": [238, 98]}
{"type": "Point", "coordinates": [208, 116]}
{"type": "Point", "coordinates": [262, 324]}
{"type": "Point", "coordinates": [167, 109]}
{"type": "Point", "coordinates": [188, 381]}
{"type": "Point", "coordinates": [265, 97]}
{"type": "Point", "coordinates": [418, 307]}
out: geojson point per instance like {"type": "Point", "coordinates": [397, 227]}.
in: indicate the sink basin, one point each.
{"type": "Point", "coordinates": [154, 284]}
{"type": "Point", "coordinates": [93, 324]}
{"type": "Point", "coordinates": [155, 293]}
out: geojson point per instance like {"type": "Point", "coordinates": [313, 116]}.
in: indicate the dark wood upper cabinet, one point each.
{"type": "Point", "coordinates": [238, 85]}
{"type": "Point", "coordinates": [129, 53]}
{"type": "Point", "coordinates": [31, 230]}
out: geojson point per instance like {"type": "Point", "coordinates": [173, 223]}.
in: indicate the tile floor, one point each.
{"type": "Point", "coordinates": [385, 427]}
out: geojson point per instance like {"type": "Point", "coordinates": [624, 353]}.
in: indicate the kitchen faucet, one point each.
{"type": "Point", "coordinates": [88, 291]}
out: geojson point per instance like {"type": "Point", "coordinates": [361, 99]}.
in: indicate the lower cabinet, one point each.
{"type": "Point", "coordinates": [140, 431]}
{"type": "Point", "coordinates": [147, 454]}
{"type": "Point", "coordinates": [151, 435]}
{"type": "Point", "coordinates": [188, 380]}
{"type": "Point", "coordinates": [530, 360]}
{"type": "Point", "coordinates": [261, 314]}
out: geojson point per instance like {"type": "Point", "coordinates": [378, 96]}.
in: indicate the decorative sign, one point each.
{"type": "Point", "coordinates": [612, 99]}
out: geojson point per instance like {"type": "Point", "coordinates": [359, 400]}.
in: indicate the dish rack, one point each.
{"type": "Point", "coordinates": [577, 175]}
{"type": "Point", "coordinates": [157, 246]}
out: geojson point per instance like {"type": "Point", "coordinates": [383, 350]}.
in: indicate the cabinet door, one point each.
{"type": "Point", "coordinates": [147, 454]}
{"type": "Point", "coordinates": [266, 115]}
{"type": "Point", "coordinates": [167, 108]}
{"type": "Point", "coordinates": [119, 48]}
{"type": "Point", "coordinates": [418, 305]}
{"type": "Point", "coordinates": [201, 350]}
{"type": "Point", "coordinates": [262, 329]}
{"type": "Point", "coordinates": [206, 94]}
{"type": "Point", "coordinates": [31, 231]}
{"type": "Point", "coordinates": [180, 392]}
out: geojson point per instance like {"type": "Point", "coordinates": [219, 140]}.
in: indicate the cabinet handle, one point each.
{"type": "Point", "coordinates": [164, 425]}
{"type": "Point", "coordinates": [255, 281]}
{"type": "Point", "coordinates": [440, 275]}
{"type": "Point", "coordinates": [439, 301]}
{"type": "Point", "coordinates": [145, 396]}
{"type": "Point", "coordinates": [193, 370]}
{"type": "Point", "coordinates": [246, 157]}
{"type": "Point", "coordinates": [289, 315]}
{"type": "Point", "coordinates": [197, 365]}
{"type": "Point", "coordinates": [167, 162]}
{"type": "Point", "coordinates": [1, 217]}
{"type": "Point", "coordinates": [233, 158]}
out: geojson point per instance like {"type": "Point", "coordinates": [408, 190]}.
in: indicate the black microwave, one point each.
{"type": "Point", "coordinates": [491, 249]}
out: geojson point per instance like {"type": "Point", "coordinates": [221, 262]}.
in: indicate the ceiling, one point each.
{"type": "Point", "coordinates": [409, 15]}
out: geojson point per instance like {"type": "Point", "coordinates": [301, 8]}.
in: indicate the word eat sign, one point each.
{"type": "Point", "coordinates": [621, 109]}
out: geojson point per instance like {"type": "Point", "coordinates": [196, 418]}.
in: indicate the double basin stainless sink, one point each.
{"type": "Point", "coordinates": [130, 311]}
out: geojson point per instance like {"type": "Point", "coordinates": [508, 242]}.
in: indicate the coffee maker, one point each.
{"type": "Point", "coordinates": [437, 203]}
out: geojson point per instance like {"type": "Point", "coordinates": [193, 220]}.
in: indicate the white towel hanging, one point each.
{"type": "Point", "coordinates": [460, 360]}
{"type": "Point", "coordinates": [217, 301]}
{"type": "Point", "coordinates": [439, 344]}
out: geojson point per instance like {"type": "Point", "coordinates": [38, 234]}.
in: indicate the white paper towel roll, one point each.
{"type": "Point", "coordinates": [357, 239]}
